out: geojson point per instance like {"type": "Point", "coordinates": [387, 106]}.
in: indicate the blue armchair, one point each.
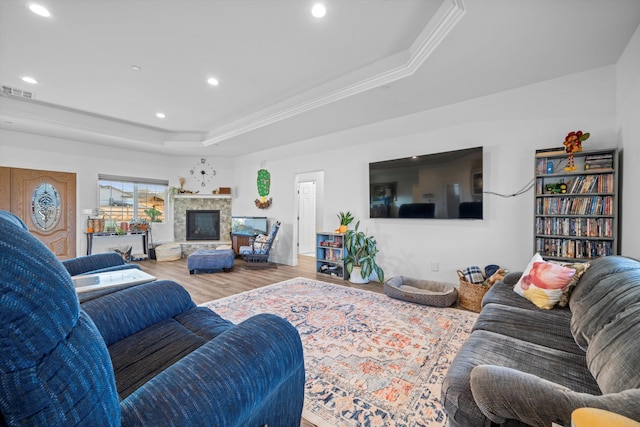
{"type": "Point", "coordinates": [145, 355]}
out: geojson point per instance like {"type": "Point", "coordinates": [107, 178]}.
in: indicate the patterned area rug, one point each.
{"type": "Point", "coordinates": [370, 360]}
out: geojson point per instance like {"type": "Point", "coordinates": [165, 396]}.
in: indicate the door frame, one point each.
{"type": "Point", "coordinates": [17, 185]}
{"type": "Point", "coordinates": [318, 177]}
{"type": "Point", "coordinates": [301, 236]}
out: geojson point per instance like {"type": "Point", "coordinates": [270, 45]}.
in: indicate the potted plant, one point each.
{"type": "Point", "coordinates": [345, 219]}
{"type": "Point", "coordinates": [360, 259]}
{"type": "Point", "coordinates": [154, 216]}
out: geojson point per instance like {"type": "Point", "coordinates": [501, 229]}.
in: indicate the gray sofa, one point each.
{"type": "Point", "coordinates": [523, 365]}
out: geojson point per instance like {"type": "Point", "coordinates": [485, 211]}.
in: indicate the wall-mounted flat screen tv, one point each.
{"type": "Point", "coordinates": [249, 225]}
{"type": "Point", "coordinates": [445, 185]}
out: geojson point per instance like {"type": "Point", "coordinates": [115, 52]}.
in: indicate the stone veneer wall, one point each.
{"type": "Point", "coordinates": [181, 204]}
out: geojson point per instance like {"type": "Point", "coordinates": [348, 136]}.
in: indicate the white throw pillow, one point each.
{"type": "Point", "coordinates": [543, 282]}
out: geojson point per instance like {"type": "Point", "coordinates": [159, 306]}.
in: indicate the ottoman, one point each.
{"type": "Point", "coordinates": [208, 260]}
{"type": "Point", "coordinates": [426, 292]}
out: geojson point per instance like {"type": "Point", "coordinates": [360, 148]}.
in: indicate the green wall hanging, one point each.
{"type": "Point", "coordinates": [264, 186]}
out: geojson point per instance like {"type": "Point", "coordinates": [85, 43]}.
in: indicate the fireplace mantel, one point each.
{"type": "Point", "coordinates": [202, 196]}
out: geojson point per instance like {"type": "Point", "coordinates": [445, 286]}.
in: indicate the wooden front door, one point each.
{"type": "Point", "coordinates": [46, 202]}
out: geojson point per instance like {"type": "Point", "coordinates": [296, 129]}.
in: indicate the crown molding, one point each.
{"type": "Point", "coordinates": [35, 114]}
{"type": "Point", "coordinates": [39, 117]}
{"type": "Point", "coordinates": [388, 70]}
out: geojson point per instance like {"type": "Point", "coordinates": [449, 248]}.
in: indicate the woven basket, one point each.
{"type": "Point", "coordinates": [471, 294]}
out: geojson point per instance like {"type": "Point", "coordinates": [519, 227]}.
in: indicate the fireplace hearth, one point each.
{"type": "Point", "coordinates": [203, 225]}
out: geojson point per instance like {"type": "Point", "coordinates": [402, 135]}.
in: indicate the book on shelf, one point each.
{"type": "Point", "coordinates": [575, 227]}
{"type": "Point", "coordinates": [598, 166]}
{"type": "Point", "coordinates": [598, 161]}
{"type": "Point", "coordinates": [588, 205]}
{"type": "Point", "coordinates": [569, 248]}
{"type": "Point", "coordinates": [550, 151]}
{"type": "Point", "coordinates": [604, 156]}
{"type": "Point", "coordinates": [586, 184]}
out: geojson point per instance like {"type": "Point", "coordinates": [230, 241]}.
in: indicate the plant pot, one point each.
{"type": "Point", "coordinates": [356, 276]}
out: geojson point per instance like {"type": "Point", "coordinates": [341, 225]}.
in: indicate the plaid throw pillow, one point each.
{"type": "Point", "coordinates": [473, 274]}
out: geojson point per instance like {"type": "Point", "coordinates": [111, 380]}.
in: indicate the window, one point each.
{"type": "Point", "coordinates": [126, 198]}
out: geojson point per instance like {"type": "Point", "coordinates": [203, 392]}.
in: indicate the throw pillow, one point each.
{"type": "Point", "coordinates": [580, 268]}
{"type": "Point", "coordinates": [543, 282]}
{"type": "Point", "coordinates": [498, 275]}
{"type": "Point", "coordinates": [260, 243]}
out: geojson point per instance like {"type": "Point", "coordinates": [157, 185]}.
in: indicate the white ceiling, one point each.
{"type": "Point", "coordinates": [284, 75]}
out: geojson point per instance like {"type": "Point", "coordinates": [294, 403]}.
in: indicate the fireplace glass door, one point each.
{"type": "Point", "coordinates": [203, 225]}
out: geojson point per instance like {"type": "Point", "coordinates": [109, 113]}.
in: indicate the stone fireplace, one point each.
{"type": "Point", "coordinates": [193, 202]}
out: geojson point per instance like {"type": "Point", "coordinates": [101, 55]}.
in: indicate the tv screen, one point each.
{"type": "Point", "coordinates": [444, 185]}
{"type": "Point", "coordinates": [249, 225]}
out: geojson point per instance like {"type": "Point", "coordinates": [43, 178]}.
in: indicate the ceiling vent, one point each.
{"type": "Point", "coordinates": [12, 91]}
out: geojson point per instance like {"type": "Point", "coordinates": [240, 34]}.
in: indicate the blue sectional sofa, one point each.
{"type": "Point", "coordinates": [142, 356]}
{"type": "Point", "coordinates": [527, 366]}
{"type": "Point", "coordinates": [96, 263]}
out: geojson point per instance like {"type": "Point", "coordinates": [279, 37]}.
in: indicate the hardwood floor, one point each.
{"type": "Point", "coordinates": [210, 286]}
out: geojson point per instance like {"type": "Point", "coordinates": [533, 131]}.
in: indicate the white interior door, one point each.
{"type": "Point", "coordinates": [307, 217]}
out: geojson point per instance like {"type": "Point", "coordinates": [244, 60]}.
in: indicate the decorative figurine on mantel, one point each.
{"type": "Point", "coordinates": [181, 190]}
{"type": "Point", "coordinates": [573, 144]}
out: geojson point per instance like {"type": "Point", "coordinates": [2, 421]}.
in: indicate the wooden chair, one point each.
{"type": "Point", "coordinates": [257, 253]}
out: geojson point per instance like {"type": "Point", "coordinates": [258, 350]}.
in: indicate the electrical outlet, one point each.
{"type": "Point", "coordinates": [434, 266]}
{"type": "Point", "coordinates": [87, 211]}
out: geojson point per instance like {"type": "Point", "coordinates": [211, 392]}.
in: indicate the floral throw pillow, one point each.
{"type": "Point", "coordinates": [543, 282]}
{"type": "Point", "coordinates": [260, 243]}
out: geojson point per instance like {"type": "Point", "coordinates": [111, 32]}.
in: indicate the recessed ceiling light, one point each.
{"type": "Point", "coordinates": [318, 10]}
{"type": "Point", "coordinates": [213, 81]}
{"type": "Point", "coordinates": [39, 10]}
{"type": "Point", "coordinates": [30, 80]}
{"type": "Point", "coordinates": [160, 115]}
{"type": "Point", "coordinates": [136, 68]}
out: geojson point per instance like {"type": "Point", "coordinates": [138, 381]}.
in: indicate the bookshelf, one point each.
{"type": "Point", "coordinates": [329, 254]}
{"type": "Point", "coordinates": [576, 212]}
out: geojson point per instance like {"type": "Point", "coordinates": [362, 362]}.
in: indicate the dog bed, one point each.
{"type": "Point", "coordinates": [426, 292]}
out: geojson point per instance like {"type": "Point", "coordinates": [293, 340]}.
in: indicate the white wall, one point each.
{"type": "Point", "coordinates": [29, 151]}
{"type": "Point", "coordinates": [628, 77]}
{"type": "Point", "coordinates": [510, 126]}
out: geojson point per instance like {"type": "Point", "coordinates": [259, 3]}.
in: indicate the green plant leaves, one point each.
{"type": "Point", "coordinates": [345, 218]}
{"type": "Point", "coordinates": [361, 252]}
